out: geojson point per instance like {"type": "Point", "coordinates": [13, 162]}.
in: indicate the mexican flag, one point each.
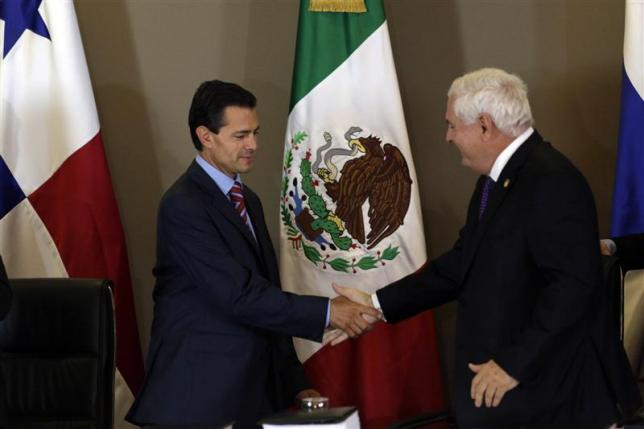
{"type": "Point", "coordinates": [350, 211]}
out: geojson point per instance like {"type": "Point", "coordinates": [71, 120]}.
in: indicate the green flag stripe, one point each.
{"type": "Point", "coordinates": [325, 40]}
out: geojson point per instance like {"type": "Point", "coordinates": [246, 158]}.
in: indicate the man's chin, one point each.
{"type": "Point", "coordinates": [247, 167]}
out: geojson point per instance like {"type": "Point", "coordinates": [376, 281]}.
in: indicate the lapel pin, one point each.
{"type": "Point", "coordinates": [506, 183]}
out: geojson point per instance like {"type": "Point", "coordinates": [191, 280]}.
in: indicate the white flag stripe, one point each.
{"type": "Point", "coordinates": [374, 105]}
{"type": "Point", "coordinates": [35, 139]}
{"type": "Point", "coordinates": [31, 252]}
{"type": "Point", "coordinates": [634, 44]}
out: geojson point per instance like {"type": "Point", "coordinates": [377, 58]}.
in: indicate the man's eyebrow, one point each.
{"type": "Point", "coordinates": [247, 131]}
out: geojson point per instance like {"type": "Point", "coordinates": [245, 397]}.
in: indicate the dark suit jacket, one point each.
{"type": "Point", "coordinates": [630, 251]}
{"type": "Point", "coordinates": [527, 278]}
{"type": "Point", "coordinates": [220, 348]}
{"type": "Point", "coordinates": [5, 304]}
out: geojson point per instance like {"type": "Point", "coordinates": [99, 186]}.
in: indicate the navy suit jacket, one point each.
{"type": "Point", "coordinates": [220, 347]}
{"type": "Point", "coordinates": [527, 278]}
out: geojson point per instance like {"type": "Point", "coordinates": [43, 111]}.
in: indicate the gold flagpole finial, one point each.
{"type": "Point", "coordinates": [352, 6]}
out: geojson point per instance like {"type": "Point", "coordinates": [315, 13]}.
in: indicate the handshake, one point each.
{"type": "Point", "coordinates": [352, 314]}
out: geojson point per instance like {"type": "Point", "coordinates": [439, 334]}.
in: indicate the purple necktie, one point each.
{"type": "Point", "coordinates": [485, 194]}
{"type": "Point", "coordinates": [237, 199]}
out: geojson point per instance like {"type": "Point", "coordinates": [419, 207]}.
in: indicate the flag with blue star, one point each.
{"type": "Point", "coordinates": [19, 16]}
{"type": "Point", "coordinates": [58, 214]}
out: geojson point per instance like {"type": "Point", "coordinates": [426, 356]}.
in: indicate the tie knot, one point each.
{"type": "Point", "coordinates": [237, 188]}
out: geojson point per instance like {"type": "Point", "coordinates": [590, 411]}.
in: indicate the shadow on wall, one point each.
{"type": "Point", "coordinates": [577, 99]}
{"type": "Point", "coordinates": [127, 136]}
{"type": "Point", "coordinates": [270, 53]}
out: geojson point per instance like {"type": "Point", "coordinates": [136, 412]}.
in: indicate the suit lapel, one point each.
{"type": "Point", "coordinates": [502, 188]}
{"type": "Point", "coordinates": [220, 203]}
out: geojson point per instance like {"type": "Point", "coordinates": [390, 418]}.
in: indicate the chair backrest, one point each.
{"type": "Point", "coordinates": [608, 335]}
{"type": "Point", "coordinates": [57, 357]}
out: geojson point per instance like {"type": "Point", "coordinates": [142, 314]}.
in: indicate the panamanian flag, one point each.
{"type": "Point", "coordinates": [628, 196]}
{"type": "Point", "coordinates": [58, 214]}
{"type": "Point", "coordinates": [350, 210]}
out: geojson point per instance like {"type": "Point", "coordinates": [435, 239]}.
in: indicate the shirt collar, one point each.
{"type": "Point", "coordinates": [223, 181]}
{"type": "Point", "coordinates": [507, 153]}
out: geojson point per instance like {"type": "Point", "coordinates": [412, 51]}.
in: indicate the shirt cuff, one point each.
{"type": "Point", "coordinates": [376, 304]}
{"type": "Point", "coordinates": [328, 314]}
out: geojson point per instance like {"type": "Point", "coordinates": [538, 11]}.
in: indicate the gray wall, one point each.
{"type": "Point", "coordinates": [146, 57]}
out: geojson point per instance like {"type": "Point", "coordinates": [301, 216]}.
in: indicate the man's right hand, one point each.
{"type": "Point", "coordinates": [348, 316]}
{"type": "Point", "coordinates": [338, 335]}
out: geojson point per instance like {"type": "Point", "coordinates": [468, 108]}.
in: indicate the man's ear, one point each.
{"type": "Point", "coordinates": [204, 135]}
{"type": "Point", "coordinates": [486, 124]}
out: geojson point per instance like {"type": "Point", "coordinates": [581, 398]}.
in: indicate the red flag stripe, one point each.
{"type": "Point", "coordinates": [367, 372]}
{"type": "Point", "coordinates": [78, 207]}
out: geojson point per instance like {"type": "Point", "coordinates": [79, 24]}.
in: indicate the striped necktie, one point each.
{"type": "Point", "coordinates": [485, 194]}
{"type": "Point", "coordinates": [237, 199]}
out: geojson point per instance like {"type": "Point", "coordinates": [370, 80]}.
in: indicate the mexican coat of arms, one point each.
{"type": "Point", "coordinates": [322, 206]}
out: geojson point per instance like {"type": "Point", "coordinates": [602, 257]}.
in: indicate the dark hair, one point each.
{"type": "Point", "coordinates": [209, 102]}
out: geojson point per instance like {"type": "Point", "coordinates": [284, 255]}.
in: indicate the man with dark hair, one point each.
{"type": "Point", "coordinates": [221, 348]}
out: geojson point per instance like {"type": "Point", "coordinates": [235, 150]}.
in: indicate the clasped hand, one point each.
{"type": "Point", "coordinates": [352, 314]}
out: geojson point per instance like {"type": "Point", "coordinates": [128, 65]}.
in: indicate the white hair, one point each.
{"type": "Point", "coordinates": [501, 95]}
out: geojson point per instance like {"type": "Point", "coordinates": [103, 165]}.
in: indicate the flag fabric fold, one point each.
{"type": "Point", "coordinates": [58, 214]}
{"type": "Point", "coordinates": [628, 195]}
{"type": "Point", "coordinates": [350, 210]}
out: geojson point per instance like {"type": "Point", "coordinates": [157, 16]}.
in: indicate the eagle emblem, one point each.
{"type": "Point", "coordinates": [325, 208]}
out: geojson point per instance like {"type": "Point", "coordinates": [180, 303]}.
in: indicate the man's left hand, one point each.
{"type": "Point", "coordinates": [490, 383]}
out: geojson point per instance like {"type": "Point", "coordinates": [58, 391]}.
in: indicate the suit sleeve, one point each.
{"type": "Point", "coordinates": [562, 241]}
{"type": "Point", "coordinates": [630, 251]}
{"type": "Point", "coordinates": [437, 283]}
{"type": "Point", "coordinates": [5, 292]}
{"type": "Point", "coordinates": [230, 286]}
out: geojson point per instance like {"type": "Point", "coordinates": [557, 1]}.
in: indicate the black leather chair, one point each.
{"type": "Point", "coordinates": [57, 357]}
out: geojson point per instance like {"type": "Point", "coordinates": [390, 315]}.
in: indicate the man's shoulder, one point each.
{"type": "Point", "coordinates": [183, 194]}
{"type": "Point", "coordinates": [551, 179]}
{"type": "Point", "coordinates": [547, 162]}
{"type": "Point", "coordinates": [180, 188]}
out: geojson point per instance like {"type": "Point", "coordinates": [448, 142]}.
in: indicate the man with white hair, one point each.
{"type": "Point", "coordinates": [525, 271]}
